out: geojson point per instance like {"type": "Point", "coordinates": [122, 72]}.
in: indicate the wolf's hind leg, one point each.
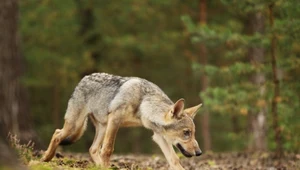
{"type": "Point", "coordinates": [57, 137]}
{"type": "Point", "coordinates": [98, 139]}
{"type": "Point", "coordinates": [75, 124]}
{"type": "Point", "coordinates": [109, 139]}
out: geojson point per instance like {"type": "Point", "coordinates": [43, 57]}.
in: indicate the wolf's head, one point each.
{"type": "Point", "coordinates": [181, 132]}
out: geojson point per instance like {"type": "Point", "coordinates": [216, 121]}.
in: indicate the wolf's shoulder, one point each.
{"type": "Point", "coordinates": [103, 79]}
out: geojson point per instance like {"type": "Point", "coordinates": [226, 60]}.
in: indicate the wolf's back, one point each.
{"type": "Point", "coordinates": [99, 82]}
{"type": "Point", "coordinates": [93, 94]}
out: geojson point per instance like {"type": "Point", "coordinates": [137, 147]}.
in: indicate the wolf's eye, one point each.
{"type": "Point", "coordinates": [187, 133]}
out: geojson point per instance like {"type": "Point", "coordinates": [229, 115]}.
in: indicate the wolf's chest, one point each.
{"type": "Point", "coordinates": [131, 121]}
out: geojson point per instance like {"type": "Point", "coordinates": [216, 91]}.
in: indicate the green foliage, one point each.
{"type": "Point", "coordinates": [63, 41]}
{"type": "Point", "coordinates": [158, 40]}
{"type": "Point", "coordinates": [231, 91]}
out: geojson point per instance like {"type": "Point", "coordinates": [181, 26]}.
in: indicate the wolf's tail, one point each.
{"type": "Point", "coordinates": [76, 134]}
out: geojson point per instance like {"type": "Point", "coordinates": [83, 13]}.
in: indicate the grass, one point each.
{"type": "Point", "coordinates": [25, 153]}
{"type": "Point", "coordinates": [230, 160]}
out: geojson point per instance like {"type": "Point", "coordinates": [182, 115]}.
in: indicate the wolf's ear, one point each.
{"type": "Point", "coordinates": [176, 110]}
{"type": "Point", "coordinates": [192, 110]}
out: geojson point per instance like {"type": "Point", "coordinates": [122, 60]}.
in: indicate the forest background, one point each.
{"type": "Point", "coordinates": [241, 59]}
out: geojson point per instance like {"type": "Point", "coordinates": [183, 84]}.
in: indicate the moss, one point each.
{"type": "Point", "coordinates": [5, 167]}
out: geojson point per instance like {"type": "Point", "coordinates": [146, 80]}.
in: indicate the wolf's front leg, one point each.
{"type": "Point", "coordinates": [109, 140]}
{"type": "Point", "coordinates": [168, 151]}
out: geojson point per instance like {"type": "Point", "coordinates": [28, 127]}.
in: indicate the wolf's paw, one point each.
{"type": "Point", "coordinates": [46, 157]}
{"type": "Point", "coordinates": [105, 164]}
{"type": "Point", "coordinates": [176, 168]}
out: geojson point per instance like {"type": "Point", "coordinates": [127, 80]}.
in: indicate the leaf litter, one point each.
{"type": "Point", "coordinates": [209, 161]}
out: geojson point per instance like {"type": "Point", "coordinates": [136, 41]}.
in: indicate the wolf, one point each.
{"type": "Point", "coordinates": [111, 102]}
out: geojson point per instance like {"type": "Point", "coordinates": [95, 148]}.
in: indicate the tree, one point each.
{"type": "Point", "coordinates": [14, 111]}
{"type": "Point", "coordinates": [256, 25]}
{"type": "Point", "coordinates": [204, 78]}
{"type": "Point", "coordinates": [245, 89]}
{"type": "Point", "coordinates": [276, 95]}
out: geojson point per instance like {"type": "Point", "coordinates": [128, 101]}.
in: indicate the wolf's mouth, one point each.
{"type": "Point", "coordinates": [184, 152]}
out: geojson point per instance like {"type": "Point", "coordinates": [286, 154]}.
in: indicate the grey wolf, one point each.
{"type": "Point", "coordinates": [112, 102]}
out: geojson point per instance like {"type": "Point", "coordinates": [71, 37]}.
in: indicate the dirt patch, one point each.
{"type": "Point", "coordinates": [208, 161]}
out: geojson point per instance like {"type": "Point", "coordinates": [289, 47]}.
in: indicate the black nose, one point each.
{"type": "Point", "coordinates": [198, 153]}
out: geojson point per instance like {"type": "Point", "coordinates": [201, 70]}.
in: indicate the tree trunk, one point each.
{"type": "Point", "coordinates": [257, 119]}
{"type": "Point", "coordinates": [14, 113]}
{"type": "Point", "coordinates": [56, 106]}
{"type": "Point", "coordinates": [276, 127]}
{"type": "Point", "coordinates": [87, 24]}
{"type": "Point", "coordinates": [204, 79]}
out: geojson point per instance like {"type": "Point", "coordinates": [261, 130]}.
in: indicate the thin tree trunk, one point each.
{"type": "Point", "coordinates": [56, 106]}
{"type": "Point", "coordinates": [235, 124]}
{"type": "Point", "coordinates": [204, 79]}
{"type": "Point", "coordinates": [276, 128]}
{"type": "Point", "coordinates": [14, 111]}
{"type": "Point", "coordinates": [255, 24]}
{"type": "Point", "coordinates": [87, 23]}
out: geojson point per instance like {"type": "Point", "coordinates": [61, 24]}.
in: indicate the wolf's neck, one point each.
{"type": "Point", "coordinates": [154, 110]}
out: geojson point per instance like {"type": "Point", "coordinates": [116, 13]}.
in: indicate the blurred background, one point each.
{"type": "Point", "coordinates": [241, 59]}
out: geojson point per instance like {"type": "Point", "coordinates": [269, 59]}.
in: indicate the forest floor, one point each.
{"type": "Point", "coordinates": [208, 161]}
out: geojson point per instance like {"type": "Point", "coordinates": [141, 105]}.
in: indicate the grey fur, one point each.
{"type": "Point", "coordinates": [102, 93]}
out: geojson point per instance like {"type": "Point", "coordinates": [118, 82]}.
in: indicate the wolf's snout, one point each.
{"type": "Point", "coordinates": [198, 153]}
{"type": "Point", "coordinates": [183, 151]}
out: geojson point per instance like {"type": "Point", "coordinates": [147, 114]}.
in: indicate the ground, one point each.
{"type": "Point", "coordinates": [208, 161]}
